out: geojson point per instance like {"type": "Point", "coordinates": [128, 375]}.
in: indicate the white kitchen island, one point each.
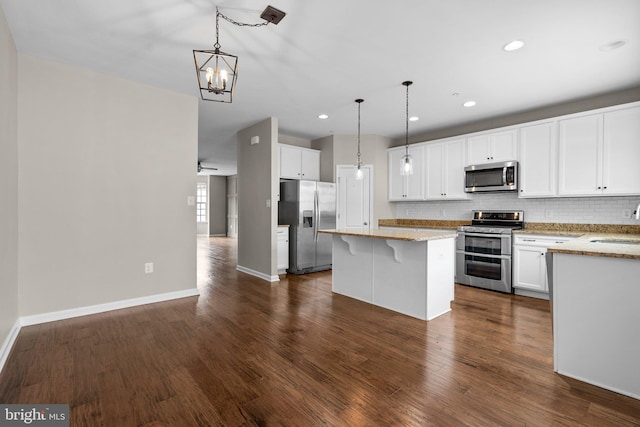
{"type": "Point", "coordinates": [411, 272]}
{"type": "Point", "coordinates": [596, 320]}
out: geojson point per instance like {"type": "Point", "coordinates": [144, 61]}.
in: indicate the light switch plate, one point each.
{"type": "Point", "coordinates": [191, 200]}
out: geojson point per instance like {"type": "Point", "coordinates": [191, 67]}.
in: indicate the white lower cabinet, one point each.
{"type": "Point", "coordinates": [283, 249]}
{"type": "Point", "coordinates": [530, 265]}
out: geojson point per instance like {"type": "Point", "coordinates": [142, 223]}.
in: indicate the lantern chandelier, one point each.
{"type": "Point", "coordinates": [217, 71]}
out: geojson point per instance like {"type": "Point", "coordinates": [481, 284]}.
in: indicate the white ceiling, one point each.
{"type": "Point", "coordinates": [326, 53]}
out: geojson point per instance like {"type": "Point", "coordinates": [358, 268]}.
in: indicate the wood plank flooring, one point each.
{"type": "Point", "coordinates": [250, 353]}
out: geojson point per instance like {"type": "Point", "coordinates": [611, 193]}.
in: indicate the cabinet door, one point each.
{"type": "Point", "coordinates": [396, 180]}
{"type": "Point", "coordinates": [492, 147]}
{"type": "Point", "coordinates": [410, 187]}
{"type": "Point", "coordinates": [290, 162]}
{"type": "Point", "coordinates": [310, 165]}
{"type": "Point", "coordinates": [454, 152]}
{"type": "Point", "coordinates": [478, 150]}
{"type": "Point", "coordinates": [538, 160]}
{"type": "Point", "coordinates": [621, 152]}
{"type": "Point", "coordinates": [579, 167]}
{"type": "Point", "coordinates": [503, 146]}
{"type": "Point", "coordinates": [283, 248]}
{"type": "Point", "coordinates": [530, 268]}
{"type": "Point", "coordinates": [434, 182]}
{"type": "Point", "coordinates": [415, 182]}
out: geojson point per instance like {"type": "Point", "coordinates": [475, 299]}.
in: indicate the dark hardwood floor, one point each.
{"type": "Point", "coordinates": [251, 353]}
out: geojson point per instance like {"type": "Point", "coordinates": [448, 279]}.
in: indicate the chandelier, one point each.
{"type": "Point", "coordinates": [217, 71]}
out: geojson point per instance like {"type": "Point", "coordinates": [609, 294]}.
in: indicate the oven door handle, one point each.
{"type": "Point", "coordinates": [493, 236]}
{"type": "Point", "coordinates": [478, 254]}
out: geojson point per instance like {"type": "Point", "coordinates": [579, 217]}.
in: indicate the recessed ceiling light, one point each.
{"type": "Point", "coordinates": [414, 118]}
{"type": "Point", "coordinates": [323, 116]}
{"type": "Point", "coordinates": [612, 45]}
{"type": "Point", "coordinates": [469, 104]}
{"type": "Point", "coordinates": [513, 45]}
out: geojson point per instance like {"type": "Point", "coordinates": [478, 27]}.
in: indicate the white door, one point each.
{"type": "Point", "coordinates": [355, 197]}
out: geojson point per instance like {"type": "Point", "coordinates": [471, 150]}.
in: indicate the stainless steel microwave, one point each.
{"type": "Point", "coordinates": [501, 176]}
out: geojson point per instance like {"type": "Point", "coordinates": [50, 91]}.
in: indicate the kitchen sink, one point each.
{"type": "Point", "coordinates": [616, 241]}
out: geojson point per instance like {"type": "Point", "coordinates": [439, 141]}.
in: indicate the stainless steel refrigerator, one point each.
{"type": "Point", "coordinates": [308, 206]}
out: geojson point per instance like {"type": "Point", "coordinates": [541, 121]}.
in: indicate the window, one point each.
{"type": "Point", "coordinates": [201, 202]}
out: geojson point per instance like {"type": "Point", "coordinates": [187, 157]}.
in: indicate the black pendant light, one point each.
{"type": "Point", "coordinates": [359, 172]}
{"type": "Point", "coordinates": [407, 160]}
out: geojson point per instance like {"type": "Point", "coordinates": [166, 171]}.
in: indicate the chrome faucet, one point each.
{"type": "Point", "coordinates": [638, 211]}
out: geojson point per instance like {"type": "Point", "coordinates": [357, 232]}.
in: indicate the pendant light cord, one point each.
{"type": "Point", "coordinates": [234, 22]}
{"type": "Point", "coordinates": [406, 134]}
{"type": "Point", "coordinates": [359, 101]}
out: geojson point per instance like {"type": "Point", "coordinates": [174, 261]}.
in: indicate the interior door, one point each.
{"type": "Point", "coordinates": [355, 197]}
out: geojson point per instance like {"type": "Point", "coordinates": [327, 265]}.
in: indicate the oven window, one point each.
{"type": "Point", "coordinates": [483, 245]}
{"type": "Point", "coordinates": [487, 268]}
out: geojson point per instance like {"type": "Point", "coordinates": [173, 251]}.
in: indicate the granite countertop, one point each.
{"type": "Point", "coordinates": [582, 245]}
{"type": "Point", "coordinates": [406, 235]}
{"type": "Point", "coordinates": [585, 234]}
{"type": "Point", "coordinates": [585, 245]}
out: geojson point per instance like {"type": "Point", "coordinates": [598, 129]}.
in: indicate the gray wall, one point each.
{"type": "Point", "coordinates": [105, 169]}
{"type": "Point", "coordinates": [8, 181]}
{"type": "Point", "coordinates": [217, 205]}
{"type": "Point", "coordinates": [258, 183]}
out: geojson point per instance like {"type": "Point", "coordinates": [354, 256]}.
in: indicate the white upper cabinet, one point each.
{"type": "Point", "coordinates": [445, 170]}
{"type": "Point", "coordinates": [580, 155]}
{"type": "Point", "coordinates": [299, 163]}
{"type": "Point", "coordinates": [621, 152]}
{"type": "Point", "coordinates": [406, 187]}
{"type": "Point", "coordinates": [492, 147]}
{"type": "Point", "coordinates": [538, 160]}
{"type": "Point", "coordinates": [599, 154]}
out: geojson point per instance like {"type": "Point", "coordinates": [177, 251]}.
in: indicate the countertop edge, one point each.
{"type": "Point", "coordinates": [416, 236]}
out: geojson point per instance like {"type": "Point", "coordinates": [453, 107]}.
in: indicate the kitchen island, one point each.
{"type": "Point", "coordinates": [411, 272]}
{"type": "Point", "coordinates": [596, 322]}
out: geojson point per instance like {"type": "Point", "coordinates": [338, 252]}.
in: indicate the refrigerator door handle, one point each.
{"type": "Point", "coordinates": [316, 207]}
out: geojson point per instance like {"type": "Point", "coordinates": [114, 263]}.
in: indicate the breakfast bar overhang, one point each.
{"type": "Point", "coordinates": [411, 272]}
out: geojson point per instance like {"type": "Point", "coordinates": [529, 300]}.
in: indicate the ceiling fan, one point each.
{"type": "Point", "coordinates": [201, 168]}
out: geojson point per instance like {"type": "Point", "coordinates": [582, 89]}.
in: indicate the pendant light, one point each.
{"type": "Point", "coordinates": [359, 172]}
{"type": "Point", "coordinates": [407, 160]}
{"type": "Point", "coordinates": [217, 71]}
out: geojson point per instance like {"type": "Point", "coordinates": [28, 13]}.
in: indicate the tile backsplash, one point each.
{"type": "Point", "coordinates": [579, 210]}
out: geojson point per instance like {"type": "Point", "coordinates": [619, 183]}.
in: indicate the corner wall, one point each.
{"type": "Point", "coordinates": [258, 188]}
{"type": "Point", "coordinates": [105, 169]}
{"type": "Point", "coordinates": [8, 187]}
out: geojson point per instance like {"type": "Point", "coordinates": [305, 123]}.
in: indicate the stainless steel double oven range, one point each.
{"type": "Point", "coordinates": [483, 249]}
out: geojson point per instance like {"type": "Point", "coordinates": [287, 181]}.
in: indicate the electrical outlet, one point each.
{"type": "Point", "coordinates": [626, 213]}
{"type": "Point", "coordinates": [148, 267]}
{"type": "Point", "coordinates": [268, 203]}
{"type": "Point", "coordinates": [548, 213]}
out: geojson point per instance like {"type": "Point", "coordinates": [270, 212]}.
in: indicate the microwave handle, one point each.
{"type": "Point", "coordinates": [504, 175]}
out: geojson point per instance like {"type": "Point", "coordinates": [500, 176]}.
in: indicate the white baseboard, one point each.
{"type": "Point", "coordinates": [7, 345]}
{"type": "Point", "coordinates": [101, 308]}
{"type": "Point", "coordinates": [83, 311]}
{"type": "Point", "coordinates": [258, 274]}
